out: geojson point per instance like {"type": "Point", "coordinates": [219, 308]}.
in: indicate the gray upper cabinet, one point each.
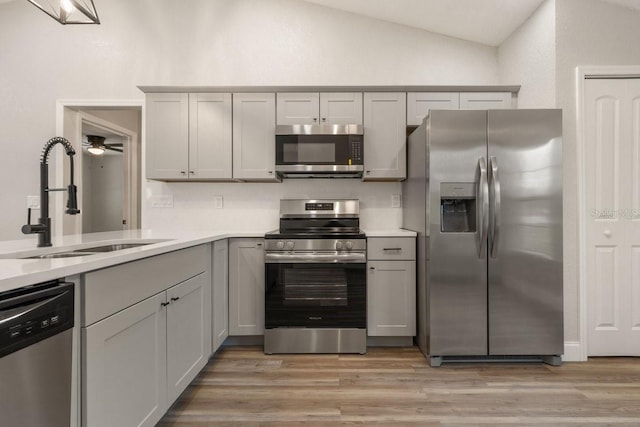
{"type": "Point", "coordinates": [385, 123]}
{"type": "Point", "coordinates": [295, 108]}
{"type": "Point", "coordinates": [485, 100]}
{"type": "Point", "coordinates": [167, 139]}
{"type": "Point", "coordinates": [254, 142]}
{"type": "Point", "coordinates": [188, 136]}
{"type": "Point", "coordinates": [419, 104]}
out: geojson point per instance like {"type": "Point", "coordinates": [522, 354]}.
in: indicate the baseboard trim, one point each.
{"type": "Point", "coordinates": [573, 352]}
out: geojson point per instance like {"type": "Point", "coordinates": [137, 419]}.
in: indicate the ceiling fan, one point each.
{"type": "Point", "coordinates": [95, 145]}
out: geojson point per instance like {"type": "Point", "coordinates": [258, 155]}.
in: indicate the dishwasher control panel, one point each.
{"type": "Point", "coordinates": [34, 313]}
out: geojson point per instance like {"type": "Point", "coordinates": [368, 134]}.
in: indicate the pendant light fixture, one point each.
{"type": "Point", "coordinates": [69, 11]}
{"type": "Point", "coordinates": [97, 146]}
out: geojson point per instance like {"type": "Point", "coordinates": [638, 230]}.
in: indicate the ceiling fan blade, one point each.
{"type": "Point", "coordinates": [112, 148]}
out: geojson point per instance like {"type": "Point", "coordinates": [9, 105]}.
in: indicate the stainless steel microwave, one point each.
{"type": "Point", "coordinates": [319, 151]}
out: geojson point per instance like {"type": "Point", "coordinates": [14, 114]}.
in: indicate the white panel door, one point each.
{"type": "Point", "coordinates": [210, 136]}
{"type": "Point", "coordinates": [341, 108]}
{"type": "Point", "coordinates": [612, 172]}
{"type": "Point", "coordinates": [124, 378]}
{"type": "Point", "coordinates": [485, 100]}
{"type": "Point", "coordinates": [419, 104]}
{"type": "Point", "coordinates": [254, 141]}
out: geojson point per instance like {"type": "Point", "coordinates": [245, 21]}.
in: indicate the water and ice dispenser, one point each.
{"type": "Point", "coordinates": [458, 207]}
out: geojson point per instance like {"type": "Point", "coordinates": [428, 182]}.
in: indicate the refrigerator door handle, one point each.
{"type": "Point", "coordinates": [482, 212]}
{"type": "Point", "coordinates": [494, 213]}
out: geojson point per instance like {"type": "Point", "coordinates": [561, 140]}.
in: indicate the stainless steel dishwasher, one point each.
{"type": "Point", "coordinates": [35, 355]}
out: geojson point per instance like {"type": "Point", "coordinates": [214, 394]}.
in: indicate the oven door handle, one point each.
{"type": "Point", "coordinates": [315, 257]}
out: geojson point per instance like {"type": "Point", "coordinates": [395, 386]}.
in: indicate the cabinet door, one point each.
{"type": "Point", "coordinates": [254, 142]}
{"type": "Point", "coordinates": [188, 332]}
{"type": "Point", "coordinates": [485, 100]}
{"type": "Point", "coordinates": [297, 108]}
{"type": "Point", "coordinates": [167, 137]}
{"type": "Point", "coordinates": [246, 287]}
{"type": "Point", "coordinates": [124, 378]}
{"type": "Point", "coordinates": [385, 123]}
{"type": "Point", "coordinates": [210, 136]}
{"type": "Point", "coordinates": [220, 315]}
{"type": "Point", "coordinates": [391, 298]}
{"type": "Point", "coordinates": [419, 104]}
{"type": "Point", "coordinates": [341, 108]}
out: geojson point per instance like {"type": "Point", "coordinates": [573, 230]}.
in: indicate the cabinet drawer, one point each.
{"type": "Point", "coordinates": [391, 248]}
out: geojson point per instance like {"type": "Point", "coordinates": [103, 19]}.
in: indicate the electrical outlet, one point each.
{"type": "Point", "coordinates": [163, 201]}
{"type": "Point", "coordinates": [33, 202]}
{"type": "Point", "coordinates": [218, 202]}
{"type": "Point", "coordinates": [396, 201]}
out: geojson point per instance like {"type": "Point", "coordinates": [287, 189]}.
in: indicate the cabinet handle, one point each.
{"type": "Point", "coordinates": [175, 298]}
{"type": "Point", "coordinates": [368, 171]}
{"type": "Point", "coordinates": [192, 172]}
{"type": "Point", "coordinates": [183, 172]}
{"type": "Point", "coordinates": [372, 268]}
{"type": "Point", "coordinates": [324, 119]}
{"type": "Point", "coordinates": [270, 171]}
{"type": "Point", "coordinates": [315, 119]}
{"type": "Point", "coordinates": [391, 249]}
{"type": "Point", "coordinates": [164, 304]}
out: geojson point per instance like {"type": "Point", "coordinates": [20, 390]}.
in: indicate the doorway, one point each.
{"type": "Point", "coordinates": [108, 183]}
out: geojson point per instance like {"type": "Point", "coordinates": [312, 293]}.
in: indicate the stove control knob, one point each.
{"type": "Point", "coordinates": [280, 245]}
{"type": "Point", "coordinates": [349, 245]}
{"type": "Point", "coordinates": [338, 245]}
{"type": "Point", "coordinates": [290, 245]}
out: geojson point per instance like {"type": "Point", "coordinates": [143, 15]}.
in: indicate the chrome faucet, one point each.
{"type": "Point", "coordinates": [43, 228]}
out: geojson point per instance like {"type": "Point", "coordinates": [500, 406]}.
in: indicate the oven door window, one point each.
{"type": "Point", "coordinates": [315, 295]}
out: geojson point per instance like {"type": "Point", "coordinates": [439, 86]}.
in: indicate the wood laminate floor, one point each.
{"type": "Point", "coordinates": [395, 386]}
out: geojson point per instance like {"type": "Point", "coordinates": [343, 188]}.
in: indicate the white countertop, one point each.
{"type": "Point", "coordinates": [15, 272]}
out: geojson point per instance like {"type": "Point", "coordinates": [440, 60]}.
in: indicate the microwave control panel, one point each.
{"type": "Point", "coordinates": [356, 148]}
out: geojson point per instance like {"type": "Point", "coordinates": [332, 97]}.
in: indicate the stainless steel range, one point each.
{"type": "Point", "coordinates": [315, 274]}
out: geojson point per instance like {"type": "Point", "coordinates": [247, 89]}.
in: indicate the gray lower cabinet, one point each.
{"type": "Point", "coordinates": [137, 360]}
{"type": "Point", "coordinates": [246, 286]}
{"type": "Point", "coordinates": [220, 294]}
{"type": "Point", "coordinates": [391, 287]}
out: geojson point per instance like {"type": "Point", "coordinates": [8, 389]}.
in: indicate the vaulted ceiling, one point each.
{"type": "Point", "coordinates": [488, 22]}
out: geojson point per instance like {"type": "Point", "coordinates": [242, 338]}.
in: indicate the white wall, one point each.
{"type": "Point", "coordinates": [528, 58]}
{"type": "Point", "coordinates": [203, 42]}
{"type": "Point", "coordinates": [588, 32]}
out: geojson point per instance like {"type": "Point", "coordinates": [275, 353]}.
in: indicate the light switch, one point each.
{"type": "Point", "coordinates": [218, 202]}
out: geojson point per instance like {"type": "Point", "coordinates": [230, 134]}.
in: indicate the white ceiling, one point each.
{"type": "Point", "coordinates": [488, 22]}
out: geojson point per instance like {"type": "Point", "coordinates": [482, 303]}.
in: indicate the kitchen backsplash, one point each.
{"type": "Point", "coordinates": [255, 206]}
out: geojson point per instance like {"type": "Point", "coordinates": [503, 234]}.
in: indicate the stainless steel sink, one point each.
{"type": "Point", "coordinates": [89, 251]}
{"type": "Point", "coordinates": [59, 255]}
{"type": "Point", "coordinates": [111, 248]}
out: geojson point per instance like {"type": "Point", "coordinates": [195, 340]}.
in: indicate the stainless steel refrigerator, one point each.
{"type": "Point", "coordinates": [484, 193]}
